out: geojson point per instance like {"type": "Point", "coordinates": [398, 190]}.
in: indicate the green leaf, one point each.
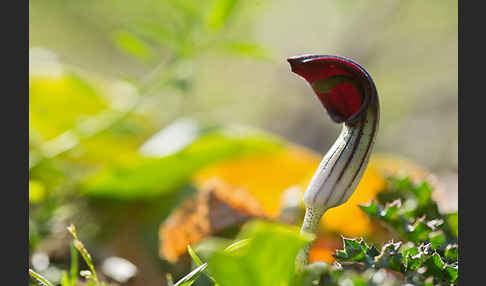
{"type": "Point", "coordinates": [423, 192]}
{"type": "Point", "coordinates": [192, 276]}
{"type": "Point", "coordinates": [390, 257]}
{"type": "Point", "coordinates": [228, 270]}
{"type": "Point", "coordinates": [437, 238]}
{"type": "Point", "coordinates": [150, 177]}
{"type": "Point", "coordinates": [414, 257]}
{"type": "Point", "coordinates": [419, 231]}
{"type": "Point", "coordinates": [353, 251]}
{"type": "Point", "coordinates": [194, 256]}
{"type": "Point", "coordinates": [452, 272]}
{"type": "Point", "coordinates": [391, 211]}
{"type": "Point", "coordinates": [451, 252]}
{"type": "Point", "coordinates": [198, 261]}
{"type": "Point", "coordinates": [370, 209]}
{"type": "Point", "coordinates": [357, 251]}
{"type": "Point", "coordinates": [438, 260]}
{"type": "Point", "coordinates": [268, 259]}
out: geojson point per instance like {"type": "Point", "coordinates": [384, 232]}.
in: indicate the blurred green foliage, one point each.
{"type": "Point", "coordinates": [88, 131]}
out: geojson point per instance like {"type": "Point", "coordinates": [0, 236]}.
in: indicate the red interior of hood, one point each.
{"type": "Point", "coordinates": [345, 99]}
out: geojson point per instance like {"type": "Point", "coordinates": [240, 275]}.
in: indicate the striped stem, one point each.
{"type": "Point", "coordinates": [349, 94]}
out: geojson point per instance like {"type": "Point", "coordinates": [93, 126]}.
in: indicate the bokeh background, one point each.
{"type": "Point", "coordinates": [106, 76]}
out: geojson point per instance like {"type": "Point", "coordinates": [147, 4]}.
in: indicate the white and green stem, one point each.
{"type": "Point", "coordinates": [339, 173]}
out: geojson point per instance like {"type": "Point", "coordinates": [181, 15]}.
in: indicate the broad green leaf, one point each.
{"type": "Point", "coordinates": [150, 177]}
{"type": "Point", "coordinates": [210, 245]}
{"type": "Point", "coordinates": [232, 270]}
{"type": "Point", "coordinates": [267, 259]}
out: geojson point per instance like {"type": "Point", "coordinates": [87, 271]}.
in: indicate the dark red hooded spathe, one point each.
{"type": "Point", "coordinates": [348, 82]}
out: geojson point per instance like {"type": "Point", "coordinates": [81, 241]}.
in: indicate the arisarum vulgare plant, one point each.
{"type": "Point", "coordinates": [349, 95]}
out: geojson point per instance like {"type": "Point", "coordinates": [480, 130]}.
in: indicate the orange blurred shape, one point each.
{"type": "Point", "coordinates": [265, 176]}
{"type": "Point", "coordinates": [214, 208]}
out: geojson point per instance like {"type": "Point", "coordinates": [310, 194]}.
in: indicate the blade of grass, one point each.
{"type": "Point", "coordinates": [199, 262]}
{"type": "Point", "coordinates": [39, 278]}
{"type": "Point", "coordinates": [192, 276]}
{"type": "Point", "coordinates": [84, 253]}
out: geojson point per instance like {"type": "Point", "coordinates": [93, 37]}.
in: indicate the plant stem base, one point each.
{"type": "Point", "coordinates": [309, 225]}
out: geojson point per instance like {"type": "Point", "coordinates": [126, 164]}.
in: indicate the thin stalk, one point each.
{"type": "Point", "coordinates": [309, 225]}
